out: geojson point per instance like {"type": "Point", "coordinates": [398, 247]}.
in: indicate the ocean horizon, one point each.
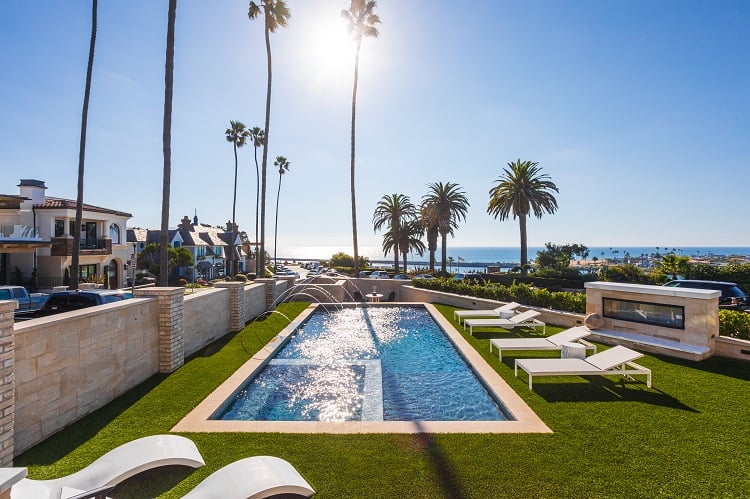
{"type": "Point", "coordinates": [512, 255]}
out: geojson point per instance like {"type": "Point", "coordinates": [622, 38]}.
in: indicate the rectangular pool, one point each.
{"type": "Point", "coordinates": [382, 363]}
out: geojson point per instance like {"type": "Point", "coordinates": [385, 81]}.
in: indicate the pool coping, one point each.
{"type": "Point", "coordinates": [525, 419]}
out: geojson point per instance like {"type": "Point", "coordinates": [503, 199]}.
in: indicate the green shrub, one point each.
{"type": "Point", "coordinates": [240, 278]}
{"type": "Point", "coordinates": [520, 292]}
{"type": "Point", "coordinates": [182, 282]}
{"type": "Point", "coordinates": [734, 324]}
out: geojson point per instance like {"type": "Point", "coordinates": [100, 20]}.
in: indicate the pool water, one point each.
{"type": "Point", "coordinates": [365, 364]}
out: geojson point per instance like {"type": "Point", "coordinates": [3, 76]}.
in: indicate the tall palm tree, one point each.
{"type": "Point", "coordinates": [361, 20]}
{"type": "Point", "coordinates": [451, 205]}
{"type": "Point", "coordinates": [275, 14]}
{"type": "Point", "coordinates": [237, 134]}
{"type": "Point", "coordinates": [429, 219]}
{"type": "Point", "coordinates": [258, 137]}
{"type": "Point", "coordinates": [75, 257]}
{"type": "Point", "coordinates": [167, 147]}
{"type": "Point", "coordinates": [283, 165]}
{"type": "Point", "coordinates": [392, 211]}
{"type": "Point", "coordinates": [520, 191]}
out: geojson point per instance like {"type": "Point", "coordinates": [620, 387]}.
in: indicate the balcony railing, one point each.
{"type": "Point", "coordinates": [19, 233]}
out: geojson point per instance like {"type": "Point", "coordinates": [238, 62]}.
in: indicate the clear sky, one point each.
{"type": "Point", "coordinates": [639, 111]}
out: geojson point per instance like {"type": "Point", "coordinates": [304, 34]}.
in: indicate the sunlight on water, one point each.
{"type": "Point", "coordinates": [371, 363]}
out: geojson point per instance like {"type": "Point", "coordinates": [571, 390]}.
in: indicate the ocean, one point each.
{"type": "Point", "coordinates": [509, 256]}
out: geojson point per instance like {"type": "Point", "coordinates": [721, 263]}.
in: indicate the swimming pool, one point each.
{"type": "Point", "coordinates": [367, 363]}
{"type": "Point", "coordinates": [359, 418]}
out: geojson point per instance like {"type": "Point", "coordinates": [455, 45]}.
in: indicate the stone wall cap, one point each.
{"type": "Point", "coordinates": [700, 294]}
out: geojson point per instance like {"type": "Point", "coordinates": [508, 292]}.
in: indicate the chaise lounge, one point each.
{"type": "Point", "coordinates": [617, 361]}
{"type": "Point", "coordinates": [495, 312]}
{"type": "Point", "coordinates": [524, 319]}
{"type": "Point", "coordinates": [554, 342]}
{"type": "Point", "coordinates": [257, 476]}
{"type": "Point", "coordinates": [114, 467]}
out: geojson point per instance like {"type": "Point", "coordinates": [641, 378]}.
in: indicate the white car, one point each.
{"type": "Point", "coordinates": [379, 274]}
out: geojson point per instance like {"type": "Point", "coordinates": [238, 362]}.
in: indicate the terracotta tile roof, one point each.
{"type": "Point", "coordinates": [57, 203]}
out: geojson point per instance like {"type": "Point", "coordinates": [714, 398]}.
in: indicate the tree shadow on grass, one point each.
{"type": "Point", "coordinates": [602, 389]}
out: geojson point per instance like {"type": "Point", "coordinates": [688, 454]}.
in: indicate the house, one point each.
{"type": "Point", "coordinates": [36, 242]}
{"type": "Point", "coordinates": [209, 246]}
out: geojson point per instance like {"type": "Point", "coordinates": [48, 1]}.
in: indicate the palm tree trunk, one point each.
{"type": "Point", "coordinates": [432, 260]}
{"type": "Point", "coordinates": [74, 272]}
{"type": "Point", "coordinates": [352, 188]}
{"type": "Point", "coordinates": [257, 201]}
{"type": "Point", "coordinates": [443, 250]}
{"type": "Point", "coordinates": [232, 263]}
{"type": "Point", "coordinates": [167, 147]}
{"type": "Point", "coordinates": [404, 262]}
{"type": "Point", "coordinates": [276, 225]}
{"type": "Point", "coordinates": [524, 249]}
{"type": "Point", "coordinates": [261, 272]}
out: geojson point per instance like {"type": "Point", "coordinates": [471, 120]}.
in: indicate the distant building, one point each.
{"type": "Point", "coordinates": [36, 233]}
{"type": "Point", "coordinates": [209, 246]}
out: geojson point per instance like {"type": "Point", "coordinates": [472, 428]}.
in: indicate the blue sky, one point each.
{"type": "Point", "coordinates": [639, 111]}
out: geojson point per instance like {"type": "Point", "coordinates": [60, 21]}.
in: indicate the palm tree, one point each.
{"type": "Point", "coordinates": [429, 219]}
{"type": "Point", "coordinates": [283, 165]}
{"type": "Point", "coordinates": [674, 264]}
{"type": "Point", "coordinates": [410, 239]}
{"type": "Point", "coordinates": [392, 211]}
{"type": "Point", "coordinates": [522, 190]}
{"type": "Point", "coordinates": [258, 137]}
{"type": "Point", "coordinates": [167, 147]}
{"type": "Point", "coordinates": [275, 14]}
{"type": "Point", "coordinates": [74, 272]}
{"type": "Point", "coordinates": [237, 134]}
{"type": "Point", "coordinates": [362, 20]}
{"type": "Point", "coordinates": [451, 205]}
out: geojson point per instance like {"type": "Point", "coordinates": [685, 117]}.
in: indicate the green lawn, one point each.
{"type": "Point", "coordinates": [686, 437]}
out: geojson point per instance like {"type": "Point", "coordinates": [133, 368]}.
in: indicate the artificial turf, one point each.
{"type": "Point", "coordinates": [685, 437]}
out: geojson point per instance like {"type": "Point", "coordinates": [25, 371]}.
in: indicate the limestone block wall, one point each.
{"type": "Point", "coordinates": [68, 365]}
{"type": "Point", "coordinates": [7, 383]}
{"type": "Point", "coordinates": [206, 318]}
{"type": "Point", "coordinates": [255, 300]}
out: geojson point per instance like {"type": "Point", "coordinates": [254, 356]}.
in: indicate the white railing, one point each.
{"type": "Point", "coordinates": [19, 232]}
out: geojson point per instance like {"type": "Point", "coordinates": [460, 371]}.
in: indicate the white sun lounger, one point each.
{"type": "Point", "coordinates": [524, 319]}
{"type": "Point", "coordinates": [115, 466]}
{"type": "Point", "coordinates": [553, 342]}
{"type": "Point", "coordinates": [617, 361]}
{"type": "Point", "coordinates": [257, 476]}
{"type": "Point", "coordinates": [495, 312]}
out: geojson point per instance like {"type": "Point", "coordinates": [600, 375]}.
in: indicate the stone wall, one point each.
{"type": "Point", "coordinates": [206, 318]}
{"type": "Point", "coordinates": [7, 383]}
{"type": "Point", "coordinates": [69, 365]}
{"type": "Point", "coordinates": [255, 300]}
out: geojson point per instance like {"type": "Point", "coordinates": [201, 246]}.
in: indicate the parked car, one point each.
{"type": "Point", "coordinates": [379, 274]}
{"type": "Point", "coordinates": [67, 301]}
{"type": "Point", "coordinates": [401, 276]}
{"type": "Point", "coordinates": [458, 277]}
{"type": "Point", "coordinates": [364, 273]}
{"type": "Point", "coordinates": [27, 302]}
{"type": "Point", "coordinates": [424, 276]}
{"type": "Point", "coordinates": [732, 297]}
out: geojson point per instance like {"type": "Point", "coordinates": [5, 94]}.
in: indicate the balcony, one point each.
{"type": "Point", "coordinates": [19, 233]}
{"type": "Point", "coordinates": [63, 246]}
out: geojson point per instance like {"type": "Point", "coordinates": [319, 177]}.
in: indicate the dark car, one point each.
{"type": "Point", "coordinates": [732, 297]}
{"type": "Point", "coordinates": [66, 301]}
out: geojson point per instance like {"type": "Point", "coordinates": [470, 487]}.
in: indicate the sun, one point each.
{"type": "Point", "coordinates": [330, 49]}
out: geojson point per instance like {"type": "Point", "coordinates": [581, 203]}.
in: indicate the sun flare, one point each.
{"type": "Point", "coordinates": [330, 49]}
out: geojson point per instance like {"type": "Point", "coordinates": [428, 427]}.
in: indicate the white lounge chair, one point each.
{"type": "Point", "coordinates": [252, 477]}
{"type": "Point", "coordinates": [553, 342]}
{"type": "Point", "coordinates": [617, 361]}
{"type": "Point", "coordinates": [524, 319]}
{"type": "Point", "coordinates": [115, 466]}
{"type": "Point", "coordinates": [495, 312]}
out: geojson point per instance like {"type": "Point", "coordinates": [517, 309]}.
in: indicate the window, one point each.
{"type": "Point", "coordinates": [87, 273]}
{"type": "Point", "coordinates": [217, 251]}
{"type": "Point", "coordinates": [114, 233]}
{"type": "Point", "coordinates": [201, 251]}
{"type": "Point", "coordinates": [59, 228]}
{"type": "Point", "coordinates": [176, 244]}
{"type": "Point", "coordinates": [656, 314]}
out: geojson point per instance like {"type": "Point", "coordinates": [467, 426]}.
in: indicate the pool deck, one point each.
{"type": "Point", "coordinates": [525, 420]}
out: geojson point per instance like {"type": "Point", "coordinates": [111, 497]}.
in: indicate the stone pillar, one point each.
{"type": "Point", "coordinates": [270, 289]}
{"type": "Point", "coordinates": [171, 303]}
{"type": "Point", "coordinates": [236, 304]}
{"type": "Point", "coordinates": [7, 383]}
